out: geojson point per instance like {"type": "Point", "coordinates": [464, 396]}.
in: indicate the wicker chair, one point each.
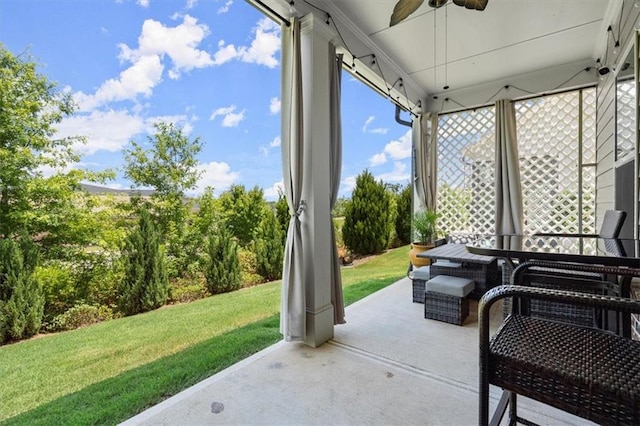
{"type": "Point", "coordinates": [588, 372]}
{"type": "Point", "coordinates": [610, 228]}
{"type": "Point", "coordinates": [584, 278]}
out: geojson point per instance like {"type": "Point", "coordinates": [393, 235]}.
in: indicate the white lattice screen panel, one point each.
{"type": "Point", "coordinates": [550, 163]}
{"type": "Point", "coordinates": [551, 168]}
{"type": "Point", "coordinates": [626, 118]}
{"type": "Point", "coordinates": [466, 190]}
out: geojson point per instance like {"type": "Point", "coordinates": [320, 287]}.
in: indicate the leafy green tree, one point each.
{"type": "Point", "coordinates": [403, 217]}
{"type": "Point", "coordinates": [366, 225]}
{"type": "Point", "coordinates": [21, 296]}
{"type": "Point", "coordinates": [282, 214]}
{"type": "Point", "coordinates": [51, 209]}
{"type": "Point", "coordinates": [223, 272]}
{"type": "Point", "coordinates": [145, 286]}
{"type": "Point", "coordinates": [243, 211]}
{"type": "Point", "coordinates": [269, 248]}
{"type": "Point", "coordinates": [170, 168]}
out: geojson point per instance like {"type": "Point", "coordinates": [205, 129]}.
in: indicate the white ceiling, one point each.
{"type": "Point", "coordinates": [531, 45]}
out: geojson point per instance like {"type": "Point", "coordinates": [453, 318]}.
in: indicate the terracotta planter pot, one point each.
{"type": "Point", "coordinates": [419, 248]}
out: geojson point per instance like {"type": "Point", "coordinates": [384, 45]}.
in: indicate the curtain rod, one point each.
{"type": "Point", "coordinates": [272, 12]}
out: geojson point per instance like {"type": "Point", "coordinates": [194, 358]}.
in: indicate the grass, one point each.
{"type": "Point", "coordinates": [108, 372]}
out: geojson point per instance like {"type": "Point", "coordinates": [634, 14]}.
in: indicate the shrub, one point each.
{"type": "Point", "coordinates": [187, 289]}
{"type": "Point", "coordinates": [249, 267]}
{"type": "Point", "coordinates": [145, 285]}
{"type": "Point", "coordinates": [80, 316]}
{"type": "Point", "coordinates": [282, 214]}
{"type": "Point", "coordinates": [222, 271]}
{"type": "Point", "coordinates": [242, 211]}
{"type": "Point", "coordinates": [21, 296]}
{"type": "Point", "coordinates": [269, 248]}
{"type": "Point", "coordinates": [366, 223]}
{"type": "Point", "coordinates": [403, 216]}
{"type": "Point", "coordinates": [58, 284]}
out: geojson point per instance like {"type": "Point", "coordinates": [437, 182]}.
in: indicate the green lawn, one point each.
{"type": "Point", "coordinates": [108, 372]}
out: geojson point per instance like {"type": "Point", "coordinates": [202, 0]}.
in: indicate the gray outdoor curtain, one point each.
{"type": "Point", "coordinates": [509, 217]}
{"type": "Point", "coordinates": [424, 137]}
{"type": "Point", "coordinates": [293, 309]}
{"type": "Point", "coordinates": [336, 166]}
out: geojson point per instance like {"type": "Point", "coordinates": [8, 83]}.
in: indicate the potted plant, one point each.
{"type": "Point", "coordinates": [424, 230]}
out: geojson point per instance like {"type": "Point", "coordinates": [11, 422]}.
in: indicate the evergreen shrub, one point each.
{"type": "Point", "coordinates": [222, 271]}
{"type": "Point", "coordinates": [145, 286]}
{"type": "Point", "coordinates": [403, 216]}
{"type": "Point", "coordinates": [366, 223]}
{"type": "Point", "coordinates": [269, 248]}
{"type": "Point", "coordinates": [21, 296]}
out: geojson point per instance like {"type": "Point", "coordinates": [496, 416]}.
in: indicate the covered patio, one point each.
{"type": "Point", "coordinates": [387, 365]}
{"type": "Point", "coordinates": [438, 59]}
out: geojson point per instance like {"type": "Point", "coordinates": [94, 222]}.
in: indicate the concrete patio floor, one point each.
{"type": "Point", "coordinates": [386, 366]}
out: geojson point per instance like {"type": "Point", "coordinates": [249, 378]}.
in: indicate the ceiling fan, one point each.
{"type": "Point", "coordinates": [404, 8]}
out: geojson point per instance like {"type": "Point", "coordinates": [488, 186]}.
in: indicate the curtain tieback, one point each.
{"type": "Point", "coordinates": [301, 207]}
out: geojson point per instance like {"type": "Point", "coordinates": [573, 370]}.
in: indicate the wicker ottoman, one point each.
{"type": "Point", "coordinates": [445, 298]}
{"type": "Point", "coordinates": [419, 276]}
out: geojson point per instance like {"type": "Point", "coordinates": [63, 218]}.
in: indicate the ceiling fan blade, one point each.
{"type": "Point", "coordinates": [403, 9]}
{"type": "Point", "coordinates": [472, 4]}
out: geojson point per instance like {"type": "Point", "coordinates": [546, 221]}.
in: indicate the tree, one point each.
{"type": "Point", "coordinates": [145, 285]}
{"type": "Point", "coordinates": [170, 167]}
{"type": "Point", "coordinates": [223, 273]}
{"type": "Point", "coordinates": [269, 248]}
{"type": "Point", "coordinates": [403, 216]}
{"type": "Point", "coordinates": [21, 297]}
{"type": "Point", "coordinates": [51, 209]}
{"type": "Point", "coordinates": [243, 211]}
{"type": "Point", "coordinates": [366, 224]}
{"type": "Point", "coordinates": [282, 214]}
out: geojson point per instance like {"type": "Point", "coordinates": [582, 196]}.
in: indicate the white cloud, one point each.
{"type": "Point", "coordinates": [275, 142]}
{"type": "Point", "coordinates": [217, 175]}
{"type": "Point", "coordinates": [274, 106]}
{"type": "Point", "coordinates": [273, 192]}
{"type": "Point", "coordinates": [348, 184]}
{"type": "Point", "coordinates": [225, 8]}
{"type": "Point", "coordinates": [398, 174]}
{"type": "Point", "coordinates": [191, 4]}
{"type": "Point", "coordinates": [401, 148]}
{"type": "Point", "coordinates": [138, 79]}
{"type": "Point", "coordinates": [222, 111]}
{"type": "Point", "coordinates": [263, 150]}
{"type": "Point", "coordinates": [104, 130]}
{"type": "Point", "coordinates": [378, 159]}
{"type": "Point", "coordinates": [155, 42]}
{"type": "Point", "coordinates": [377, 130]}
{"type": "Point", "coordinates": [261, 51]}
{"type": "Point", "coordinates": [143, 3]}
{"type": "Point", "coordinates": [179, 43]}
{"type": "Point", "coordinates": [181, 120]}
{"type": "Point", "coordinates": [229, 117]}
{"type": "Point", "coordinates": [396, 150]}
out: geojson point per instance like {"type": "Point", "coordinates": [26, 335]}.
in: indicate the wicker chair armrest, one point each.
{"type": "Point", "coordinates": [613, 303]}
{"type": "Point", "coordinates": [580, 267]}
{"type": "Point", "coordinates": [553, 234]}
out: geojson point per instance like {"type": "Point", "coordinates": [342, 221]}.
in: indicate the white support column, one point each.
{"type": "Point", "coordinates": [316, 219]}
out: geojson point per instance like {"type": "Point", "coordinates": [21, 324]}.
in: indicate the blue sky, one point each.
{"type": "Point", "coordinates": [211, 67]}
